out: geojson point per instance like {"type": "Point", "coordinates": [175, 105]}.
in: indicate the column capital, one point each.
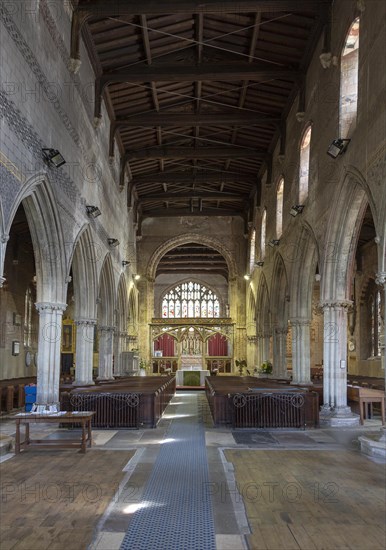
{"type": "Point", "coordinates": [4, 238]}
{"type": "Point", "coordinates": [338, 304]}
{"type": "Point", "coordinates": [122, 334]}
{"type": "Point", "coordinates": [381, 278]}
{"type": "Point", "coordinates": [105, 328]}
{"type": "Point", "coordinates": [50, 306]}
{"type": "Point", "coordinates": [281, 330]}
{"type": "Point", "coordinates": [85, 322]}
{"type": "Point", "coordinates": [299, 322]}
{"type": "Point", "coordinates": [2, 281]}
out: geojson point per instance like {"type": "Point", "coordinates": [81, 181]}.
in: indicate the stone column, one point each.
{"type": "Point", "coordinates": [381, 280]}
{"type": "Point", "coordinates": [279, 352]}
{"type": "Point", "coordinates": [120, 345]}
{"type": "Point", "coordinates": [84, 352]}
{"type": "Point", "coordinates": [49, 339]}
{"type": "Point", "coordinates": [335, 410]}
{"type": "Point", "coordinates": [301, 372]}
{"type": "Point", "coordinates": [106, 353]}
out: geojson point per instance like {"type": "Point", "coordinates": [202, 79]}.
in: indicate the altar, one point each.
{"type": "Point", "coordinates": [191, 376]}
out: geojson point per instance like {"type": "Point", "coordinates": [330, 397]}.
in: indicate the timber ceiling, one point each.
{"type": "Point", "coordinates": [197, 93]}
{"type": "Point", "coordinates": [193, 259]}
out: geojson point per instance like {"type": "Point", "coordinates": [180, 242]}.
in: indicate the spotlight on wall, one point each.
{"type": "Point", "coordinates": [274, 242]}
{"type": "Point", "coordinates": [93, 211]}
{"type": "Point", "coordinates": [296, 209]}
{"type": "Point", "coordinates": [338, 147]}
{"type": "Point", "coordinates": [260, 263]}
{"type": "Point", "coordinates": [137, 277]}
{"type": "Point", "coordinates": [246, 277]}
{"type": "Point", "coordinates": [125, 263]}
{"type": "Point", "coordinates": [52, 156]}
{"type": "Point", "coordinates": [113, 242]}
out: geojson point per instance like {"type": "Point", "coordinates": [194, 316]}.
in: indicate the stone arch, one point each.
{"type": "Point", "coordinates": [251, 312]}
{"type": "Point", "coordinates": [106, 298]}
{"type": "Point", "coordinates": [3, 243]}
{"type": "Point", "coordinates": [191, 238]}
{"type": "Point", "coordinates": [349, 205]}
{"type": "Point", "coordinates": [132, 311]}
{"type": "Point", "coordinates": [279, 292]}
{"type": "Point", "coordinates": [305, 257]}
{"type": "Point", "coordinates": [85, 275]}
{"type": "Point", "coordinates": [263, 321]}
{"type": "Point", "coordinates": [122, 304]}
{"type": "Point", "coordinates": [47, 237]}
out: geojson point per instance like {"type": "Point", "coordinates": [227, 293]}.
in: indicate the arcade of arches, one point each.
{"type": "Point", "coordinates": [302, 287]}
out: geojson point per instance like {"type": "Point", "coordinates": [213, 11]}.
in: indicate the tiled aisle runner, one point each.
{"type": "Point", "coordinates": [176, 512]}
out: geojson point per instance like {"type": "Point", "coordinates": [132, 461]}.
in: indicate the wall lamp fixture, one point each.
{"type": "Point", "coordinates": [260, 263]}
{"type": "Point", "coordinates": [93, 211]}
{"type": "Point", "coordinates": [52, 156]}
{"type": "Point", "coordinates": [125, 263]}
{"type": "Point", "coordinates": [274, 242]}
{"type": "Point", "coordinates": [296, 209]}
{"type": "Point", "coordinates": [113, 242]}
{"type": "Point", "coordinates": [338, 147]}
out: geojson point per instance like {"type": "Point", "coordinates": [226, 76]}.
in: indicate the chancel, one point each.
{"type": "Point", "coordinates": [192, 274]}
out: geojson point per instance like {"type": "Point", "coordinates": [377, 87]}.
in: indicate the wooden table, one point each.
{"type": "Point", "coordinates": [82, 417]}
{"type": "Point", "coordinates": [366, 397]}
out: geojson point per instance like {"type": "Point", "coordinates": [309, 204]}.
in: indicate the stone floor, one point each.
{"type": "Point", "coordinates": [232, 487]}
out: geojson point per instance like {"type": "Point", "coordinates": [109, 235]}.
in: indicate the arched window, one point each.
{"type": "Point", "coordinates": [263, 233]}
{"type": "Point", "coordinates": [349, 81]}
{"type": "Point", "coordinates": [279, 208]}
{"type": "Point", "coordinates": [252, 250]}
{"type": "Point", "coordinates": [304, 165]}
{"type": "Point", "coordinates": [190, 300]}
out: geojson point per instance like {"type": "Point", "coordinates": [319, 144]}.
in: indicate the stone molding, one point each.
{"type": "Point", "coordinates": [50, 306]}
{"type": "Point", "coordinates": [106, 329]}
{"type": "Point", "coordinates": [85, 322]}
{"type": "Point", "coordinates": [300, 322]}
{"type": "Point", "coordinates": [339, 304]}
{"type": "Point", "coordinates": [380, 278]}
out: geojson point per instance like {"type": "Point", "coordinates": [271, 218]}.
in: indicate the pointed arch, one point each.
{"type": "Point", "coordinates": [41, 210]}
{"type": "Point", "coordinates": [106, 296]}
{"type": "Point", "coordinates": [191, 238]}
{"type": "Point", "coordinates": [85, 275]}
{"type": "Point", "coordinates": [279, 293]}
{"type": "Point", "coordinates": [263, 307]}
{"type": "Point", "coordinates": [122, 304]}
{"type": "Point", "coordinates": [305, 260]}
{"type": "Point", "coordinates": [251, 312]}
{"type": "Point", "coordinates": [349, 205]}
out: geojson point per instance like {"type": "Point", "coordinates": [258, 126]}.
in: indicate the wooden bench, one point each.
{"type": "Point", "coordinates": [366, 397]}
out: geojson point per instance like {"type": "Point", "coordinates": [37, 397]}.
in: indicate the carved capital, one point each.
{"type": "Point", "coordinates": [298, 322]}
{"type": "Point", "coordinates": [4, 238]}
{"type": "Point", "coordinates": [381, 279]}
{"type": "Point", "coordinates": [2, 281]}
{"type": "Point", "coordinates": [339, 304]}
{"type": "Point", "coordinates": [50, 307]}
{"type": "Point", "coordinates": [105, 328]}
{"type": "Point", "coordinates": [85, 322]}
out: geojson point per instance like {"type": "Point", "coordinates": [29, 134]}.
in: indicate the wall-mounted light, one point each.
{"type": "Point", "coordinates": [52, 156]}
{"type": "Point", "coordinates": [125, 263]}
{"type": "Point", "coordinates": [296, 209]}
{"type": "Point", "coordinates": [93, 211]}
{"type": "Point", "coordinates": [338, 147]}
{"type": "Point", "coordinates": [260, 263]}
{"type": "Point", "coordinates": [274, 242]}
{"type": "Point", "coordinates": [246, 277]}
{"type": "Point", "coordinates": [113, 242]}
{"type": "Point", "coordinates": [137, 277]}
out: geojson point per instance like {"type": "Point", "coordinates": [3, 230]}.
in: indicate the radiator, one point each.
{"type": "Point", "coordinates": [275, 410]}
{"type": "Point", "coordinates": [112, 410]}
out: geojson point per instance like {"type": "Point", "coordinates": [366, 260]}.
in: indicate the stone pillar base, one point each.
{"type": "Point", "coordinates": [104, 378]}
{"type": "Point", "coordinates": [374, 446]}
{"type": "Point", "coordinates": [300, 383]}
{"type": "Point", "coordinates": [338, 418]}
{"type": "Point", "coordinates": [80, 383]}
